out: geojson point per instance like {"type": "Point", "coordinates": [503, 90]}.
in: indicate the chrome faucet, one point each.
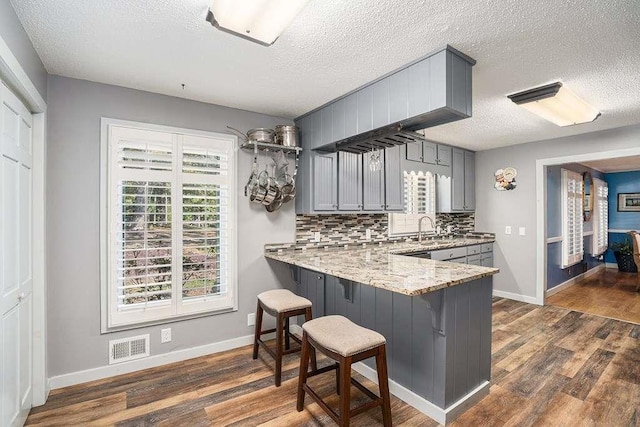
{"type": "Point", "coordinates": [433, 225]}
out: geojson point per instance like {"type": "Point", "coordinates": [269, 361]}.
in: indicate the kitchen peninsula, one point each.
{"type": "Point", "coordinates": [435, 315]}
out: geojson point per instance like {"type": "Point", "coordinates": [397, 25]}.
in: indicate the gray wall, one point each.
{"type": "Point", "coordinates": [75, 109]}
{"type": "Point", "coordinates": [515, 255]}
{"type": "Point", "coordinates": [16, 38]}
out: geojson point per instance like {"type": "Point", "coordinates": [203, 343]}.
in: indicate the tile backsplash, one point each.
{"type": "Point", "coordinates": [349, 229]}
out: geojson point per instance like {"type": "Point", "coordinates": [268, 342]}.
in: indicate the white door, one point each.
{"type": "Point", "coordinates": [16, 303]}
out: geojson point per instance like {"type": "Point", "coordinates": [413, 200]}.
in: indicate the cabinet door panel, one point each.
{"type": "Point", "coordinates": [394, 185]}
{"type": "Point", "coordinates": [398, 96]}
{"type": "Point", "coordinates": [457, 184]}
{"type": "Point", "coordinates": [326, 117]}
{"type": "Point", "coordinates": [444, 155]}
{"type": "Point", "coordinates": [373, 185]}
{"type": "Point", "coordinates": [469, 181]}
{"type": "Point", "coordinates": [429, 152]}
{"type": "Point", "coordinates": [381, 103]}
{"type": "Point", "coordinates": [419, 78]}
{"type": "Point", "coordinates": [350, 115]}
{"type": "Point", "coordinates": [325, 186]}
{"type": "Point", "coordinates": [338, 114]}
{"type": "Point", "coordinates": [414, 151]}
{"type": "Point", "coordinates": [365, 109]}
{"type": "Point", "coordinates": [349, 181]}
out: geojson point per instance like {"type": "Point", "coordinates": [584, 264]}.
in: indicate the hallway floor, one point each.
{"type": "Point", "coordinates": [609, 294]}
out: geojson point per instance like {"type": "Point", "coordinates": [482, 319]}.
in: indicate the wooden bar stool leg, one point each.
{"type": "Point", "coordinates": [258, 330]}
{"type": "Point", "coordinates": [383, 383]}
{"type": "Point", "coordinates": [287, 338]}
{"type": "Point", "coordinates": [304, 366]}
{"type": "Point", "coordinates": [279, 347]}
{"type": "Point", "coordinates": [338, 380]}
{"type": "Point", "coordinates": [345, 391]}
{"type": "Point", "coordinates": [314, 364]}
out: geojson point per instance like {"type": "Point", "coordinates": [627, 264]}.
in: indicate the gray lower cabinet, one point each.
{"type": "Point", "coordinates": [325, 182]}
{"type": "Point", "coordinates": [349, 181]}
{"type": "Point", "coordinates": [438, 344]}
{"type": "Point", "coordinates": [311, 285]}
{"type": "Point", "coordinates": [474, 255]}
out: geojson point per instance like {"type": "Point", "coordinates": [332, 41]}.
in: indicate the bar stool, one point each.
{"type": "Point", "coordinates": [346, 343]}
{"type": "Point", "coordinates": [281, 304]}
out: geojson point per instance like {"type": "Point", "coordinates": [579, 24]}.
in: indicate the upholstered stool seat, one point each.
{"type": "Point", "coordinates": [345, 342]}
{"type": "Point", "coordinates": [281, 304]}
{"type": "Point", "coordinates": [281, 300]}
{"type": "Point", "coordinates": [340, 335]}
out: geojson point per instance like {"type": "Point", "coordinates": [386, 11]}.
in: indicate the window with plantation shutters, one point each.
{"type": "Point", "coordinates": [168, 243]}
{"type": "Point", "coordinates": [600, 194]}
{"type": "Point", "coordinates": [572, 218]}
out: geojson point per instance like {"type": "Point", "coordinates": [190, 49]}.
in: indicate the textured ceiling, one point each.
{"type": "Point", "coordinates": [335, 46]}
{"type": "Point", "coordinates": [618, 164]}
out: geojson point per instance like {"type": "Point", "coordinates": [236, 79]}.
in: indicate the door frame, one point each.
{"type": "Point", "coordinates": [17, 79]}
{"type": "Point", "coordinates": [541, 207]}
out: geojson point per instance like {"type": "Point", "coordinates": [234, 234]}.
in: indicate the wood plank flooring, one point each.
{"type": "Point", "coordinates": [551, 367]}
{"type": "Point", "coordinates": [609, 293]}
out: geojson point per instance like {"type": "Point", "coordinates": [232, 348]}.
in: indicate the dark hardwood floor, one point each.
{"type": "Point", "coordinates": [609, 293]}
{"type": "Point", "coordinates": [551, 367]}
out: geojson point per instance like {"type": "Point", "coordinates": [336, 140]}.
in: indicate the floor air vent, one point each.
{"type": "Point", "coordinates": [130, 348]}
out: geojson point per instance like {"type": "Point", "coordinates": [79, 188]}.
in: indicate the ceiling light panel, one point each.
{"type": "Point", "coordinates": [261, 21]}
{"type": "Point", "coordinates": [556, 103]}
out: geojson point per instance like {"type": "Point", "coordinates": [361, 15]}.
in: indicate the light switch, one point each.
{"type": "Point", "coordinates": [521, 231]}
{"type": "Point", "coordinates": [507, 229]}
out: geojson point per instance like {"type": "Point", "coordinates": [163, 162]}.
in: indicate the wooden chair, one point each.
{"type": "Point", "coordinates": [635, 238]}
{"type": "Point", "coordinates": [281, 304]}
{"type": "Point", "coordinates": [345, 342]}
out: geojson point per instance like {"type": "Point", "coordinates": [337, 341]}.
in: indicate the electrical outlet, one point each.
{"type": "Point", "coordinates": [367, 234]}
{"type": "Point", "coordinates": [521, 231]}
{"type": "Point", "coordinates": [507, 229]}
{"type": "Point", "coordinates": [251, 319]}
{"type": "Point", "coordinates": [316, 236]}
{"type": "Point", "coordinates": [165, 335]}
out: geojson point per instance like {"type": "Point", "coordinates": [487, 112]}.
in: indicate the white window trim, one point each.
{"type": "Point", "coordinates": [600, 220]}
{"type": "Point", "coordinates": [104, 221]}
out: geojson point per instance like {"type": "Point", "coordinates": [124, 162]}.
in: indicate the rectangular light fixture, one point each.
{"type": "Point", "coordinates": [556, 103]}
{"type": "Point", "coordinates": [261, 21]}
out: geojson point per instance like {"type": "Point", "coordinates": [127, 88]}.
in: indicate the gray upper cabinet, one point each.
{"type": "Point", "coordinates": [349, 181]}
{"type": "Point", "coordinates": [325, 185]}
{"type": "Point", "coordinates": [429, 92]}
{"type": "Point", "coordinates": [469, 181]}
{"type": "Point", "coordinates": [394, 182]}
{"type": "Point", "coordinates": [443, 155]}
{"type": "Point", "coordinates": [365, 109]}
{"type": "Point", "coordinates": [373, 195]}
{"type": "Point", "coordinates": [458, 193]}
{"type": "Point", "coordinates": [429, 152]}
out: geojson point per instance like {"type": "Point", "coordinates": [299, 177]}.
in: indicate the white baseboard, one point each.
{"type": "Point", "coordinates": [149, 362]}
{"type": "Point", "coordinates": [564, 285]}
{"type": "Point", "coordinates": [613, 265]}
{"type": "Point", "coordinates": [443, 416]}
{"type": "Point", "coordinates": [516, 297]}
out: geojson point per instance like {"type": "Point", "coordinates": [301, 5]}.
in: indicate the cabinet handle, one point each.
{"type": "Point", "coordinates": [335, 206]}
{"type": "Point", "coordinates": [319, 277]}
{"type": "Point", "coordinates": [437, 161]}
{"type": "Point", "coordinates": [21, 296]}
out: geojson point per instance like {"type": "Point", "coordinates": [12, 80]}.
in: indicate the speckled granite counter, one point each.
{"type": "Point", "coordinates": [383, 266]}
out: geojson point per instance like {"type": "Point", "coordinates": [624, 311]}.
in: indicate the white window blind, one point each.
{"type": "Point", "coordinates": [419, 200]}
{"type": "Point", "coordinates": [572, 218]}
{"type": "Point", "coordinates": [600, 194]}
{"type": "Point", "coordinates": [169, 239]}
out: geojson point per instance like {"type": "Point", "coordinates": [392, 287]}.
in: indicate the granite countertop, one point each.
{"type": "Point", "coordinates": [383, 266]}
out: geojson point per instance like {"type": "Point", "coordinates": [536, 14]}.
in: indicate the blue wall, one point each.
{"type": "Point", "coordinates": [621, 182]}
{"type": "Point", "coordinates": [555, 274]}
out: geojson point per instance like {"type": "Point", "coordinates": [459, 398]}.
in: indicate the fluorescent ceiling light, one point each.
{"type": "Point", "coordinates": [556, 103]}
{"type": "Point", "coordinates": [261, 21]}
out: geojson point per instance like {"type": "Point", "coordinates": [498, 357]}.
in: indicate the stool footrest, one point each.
{"type": "Point", "coordinates": [333, 414]}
